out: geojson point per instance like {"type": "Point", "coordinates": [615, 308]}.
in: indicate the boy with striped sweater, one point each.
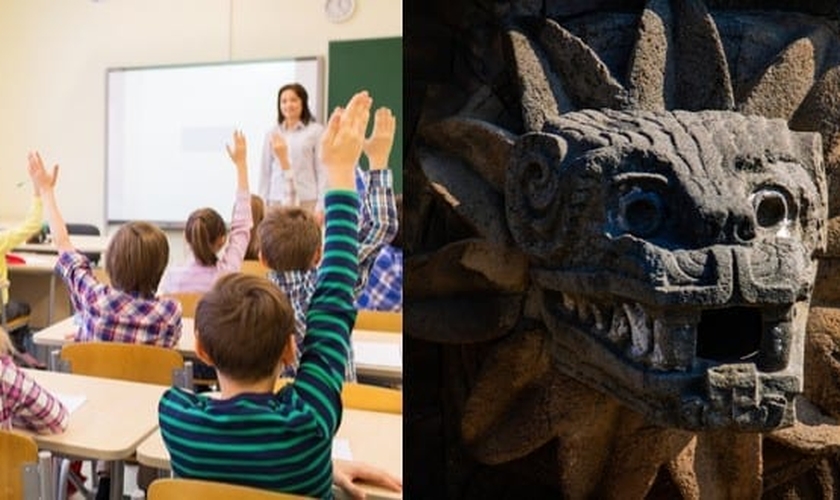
{"type": "Point", "coordinates": [244, 327]}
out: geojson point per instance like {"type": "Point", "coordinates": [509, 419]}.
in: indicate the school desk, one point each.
{"type": "Point", "coordinates": [377, 354]}
{"type": "Point", "coordinates": [82, 243]}
{"type": "Point", "coordinates": [35, 282]}
{"type": "Point", "coordinates": [374, 438]}
{"type": "Point", "coordinates": [114, 417]}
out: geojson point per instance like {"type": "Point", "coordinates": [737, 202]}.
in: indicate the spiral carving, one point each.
{"type": "Point", "coordinates": [534, 192]}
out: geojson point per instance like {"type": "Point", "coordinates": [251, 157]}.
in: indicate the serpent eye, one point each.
{"type": "Point", "coordinates": [771, 207]}
{"type": "Point", "coordinates": [640, 212]}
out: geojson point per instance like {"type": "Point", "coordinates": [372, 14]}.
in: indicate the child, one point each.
{"type": "Point", "coordinates": [245, 326]}
{"type": "Point", "coordinates": [9, 239]}
{"type": "Point", "coordinates": [205, 235]}
{"type": "Point", "coordinates": [290, 238]}
{"type": "Point", "coordinates": [127, 309]}
{"type": "Point", "coordinates": [24, 403]}
{"type": "Point", "coordinates": [257, 215]}
{"type": "Point", "coordinates": [384, 286]}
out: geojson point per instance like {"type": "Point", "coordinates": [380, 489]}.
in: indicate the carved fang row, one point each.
{"type": "Point", "coordinates": [669, 342]}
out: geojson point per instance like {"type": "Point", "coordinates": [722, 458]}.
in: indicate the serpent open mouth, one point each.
{"type": "Point", "coordinates": [683, 340]}
{"type": "Point", "coordinates": [728, 366]}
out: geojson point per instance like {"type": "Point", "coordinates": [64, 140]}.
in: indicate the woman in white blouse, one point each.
{"type": "Point", "coordinates": [291, 173]}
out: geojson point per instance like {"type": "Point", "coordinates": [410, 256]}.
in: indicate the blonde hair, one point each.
{"type": "Point", "coordinates": [6, 345]}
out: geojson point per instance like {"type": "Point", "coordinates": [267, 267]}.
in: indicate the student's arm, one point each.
{"type": "Point", "coordinates": [31, 406]}
{"type": "Point", "coordinates": [331, 312]}
{"type": "Point", "coordinates": [45, 184]}
{"type": "Point", "coordinates": [13, 237]}
{"type": "Point", "coordinates": [345, 472]}
{"type": "Point", "coordinates": [72, 266]}
{"type": "Point", "coordinates": [320, 171]}
{"type": "Point", "coordinates": [380, 205]}
{"type": "Point", "coordinates": [241, 222]}
{"type": "Point", "coordinates": [32, 223]}
{"type": "Point", "coordinates": [281, 151]}
{"type": "Point", "coordinates": [264, 186]}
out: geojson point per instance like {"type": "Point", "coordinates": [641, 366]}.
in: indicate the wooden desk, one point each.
{"type": "Point", "coordinates": [36, 284]}
{"type": "Point", "coordinates": [82, 243]}
{"type": "Point", "coordinates": [369, 347]}
{"type": "Point", "coordinates": [114, 419]}
{"type": "Point", "coordinates": [378, 355]}
{"type": "Point", "coordinates": [374, 438]}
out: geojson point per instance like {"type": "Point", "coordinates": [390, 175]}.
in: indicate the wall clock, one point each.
{"type": "Point", "coordinates": [338, 11]}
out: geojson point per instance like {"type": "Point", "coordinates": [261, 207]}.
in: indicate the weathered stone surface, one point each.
{"type": "Point", "coordinates": [822, 359]}
{"type": "Point", "coordinates": [833, 238]}
{"type": "Point", "coordinates": [467, 267]}
{"type": "Point", "coordinates": [827, 286]}
{"type": "Point", "coordinates": [670, 249]}
{"type": "Point", "coordinates": [462, 320]}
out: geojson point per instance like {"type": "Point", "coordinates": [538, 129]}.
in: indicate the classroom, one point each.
{"type": "Point", "coordinates": [56, 59]}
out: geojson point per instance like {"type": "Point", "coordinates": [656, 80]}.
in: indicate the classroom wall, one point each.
{"type": "Point", "coordinates": [53, 57]}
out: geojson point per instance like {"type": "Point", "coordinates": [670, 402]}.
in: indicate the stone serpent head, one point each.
{"type": "Point", "coordinates": [675, 255]}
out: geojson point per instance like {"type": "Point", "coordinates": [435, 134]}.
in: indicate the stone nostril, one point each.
{"type": "Point", "coordinates": [745, 230]}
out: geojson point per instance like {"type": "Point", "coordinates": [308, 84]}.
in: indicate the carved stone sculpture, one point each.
{"type": "Point", "coordinates": [615, 213]}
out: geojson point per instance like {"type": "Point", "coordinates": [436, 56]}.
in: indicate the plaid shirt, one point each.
{"type": "Point", "coordinates": [108, 314]}
{"type": "Point", "coordinates": [384, 286]}
{"type": "Point", "coordinates": [378, 225]}
{"type": "Point", "coordinates": [25, 404]}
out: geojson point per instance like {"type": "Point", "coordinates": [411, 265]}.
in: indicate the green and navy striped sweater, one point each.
{"type": "Point", "coordinates": [280, 441]}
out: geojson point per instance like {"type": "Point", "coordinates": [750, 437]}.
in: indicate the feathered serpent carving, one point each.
{"type": "Point", "coordinates": [636, 251]}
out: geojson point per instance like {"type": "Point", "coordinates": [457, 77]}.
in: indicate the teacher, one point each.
{"type": "Point", "coordinates": [291, 173]}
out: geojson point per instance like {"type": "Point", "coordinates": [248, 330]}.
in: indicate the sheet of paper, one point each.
{"type": "Point", "coordinates": [70, 401]}
{"type": "Point", "coordinates": [375, 353]}
{"type": "Point", "coordinates": [341, 449]}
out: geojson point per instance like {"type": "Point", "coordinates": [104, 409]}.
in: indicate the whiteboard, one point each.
{"type": "Point", "coordinates": [167, 127]}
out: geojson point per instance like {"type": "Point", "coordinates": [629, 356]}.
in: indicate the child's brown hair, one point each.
{"type": "Point", "coordinates": [243, 324]}
{"type": "Point", "coordinates": [136, 258]}
{"type": "Point", "coordinates": [257, 215]}
{"type": "Point", "coordinates": [204, 227]}
{"type": "Point", "coordinates": [290, 239]}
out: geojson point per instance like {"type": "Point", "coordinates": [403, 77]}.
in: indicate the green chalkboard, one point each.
{"type": "Point", "coordinates": [376, 65]}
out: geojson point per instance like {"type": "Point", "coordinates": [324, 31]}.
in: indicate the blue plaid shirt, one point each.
{"type": "Point", "coordinates": [384, 285]}
{"type": "Point", "coordinates": [378, 226]}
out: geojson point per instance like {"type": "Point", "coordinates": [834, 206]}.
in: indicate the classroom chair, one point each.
{"type": "Point", "coordinates": [204, 377]}
{"type": "Point", "coordinates": [178, 489]}
{"type": "Point", "coordinates": [117, 360]}
{"type": "Point", "coordinates": [363, 396]}
{"type": "Point", "coordinates": [188, 300]}
{"type": "Point", "coordinates": [19, 467]}
{"type": "Point", "coordinates": [383, 321]}
{"type": "Point", "coordinates": [254, 267]}
{"type": "Point", "coordinates": [87, 230]}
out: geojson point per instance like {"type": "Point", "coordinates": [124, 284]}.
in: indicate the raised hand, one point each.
{"type": "Point", "coordinates": [341, 143]}
{"type": "Point", "coordinates": [239, 152]}
{"type": "Point", "coordinates": [280, 150]}
{"type": "Point", "coordinates": [41, 179]}
{"type": "Point", "coordinates": [378, 146]}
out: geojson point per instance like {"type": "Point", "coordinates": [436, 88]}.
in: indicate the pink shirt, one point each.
{"type": "Point", "coordinates": [25, 404]}
{"type": "Point", "coordinates": [195, 277]}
